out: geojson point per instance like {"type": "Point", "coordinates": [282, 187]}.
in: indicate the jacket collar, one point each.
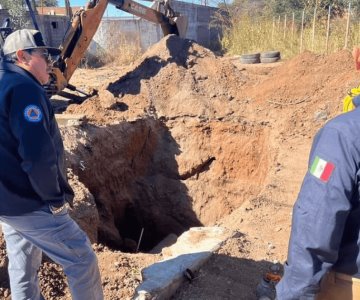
{"type": "Point", "coordinates": [6, 66]}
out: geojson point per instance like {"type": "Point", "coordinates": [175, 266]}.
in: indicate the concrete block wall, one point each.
{"type": "Point", "coordinates": [200, 29]}
{"type": "Point", "coordinates": [115, 31]}
{"type": "Point", "coordinates": [53, 28]}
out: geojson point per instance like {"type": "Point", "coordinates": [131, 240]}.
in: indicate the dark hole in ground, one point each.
{"type": "Point", "coordinates": [137, 235]}
{"type": "Point", "coordinates": [131, 230]}
{"type": "Point", "coordinates": [134, 178]}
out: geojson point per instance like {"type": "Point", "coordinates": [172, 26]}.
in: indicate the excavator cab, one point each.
{"type": "Point", "coordinates": [5, 30]}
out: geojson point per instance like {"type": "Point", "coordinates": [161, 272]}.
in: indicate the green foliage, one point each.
{"type": "Point", "coordinates": [46, 3]}
{"type": "Point", "coordinates": [17, 12]}
{"type": "Point", "coordinates": [338, 7]}
{"type": "Point", "coordinates": [249, 7]}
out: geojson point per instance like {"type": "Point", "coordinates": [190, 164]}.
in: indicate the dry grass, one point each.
{"type": "Point", "coordinates": [126, 52]}
{"type": "Point", "coordinates": [118, 51]}
{"type": "Point", "coordinates": [257, 34]}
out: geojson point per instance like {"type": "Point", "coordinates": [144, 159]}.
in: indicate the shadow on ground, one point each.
{"type": "Point", "coordinates": [131, 170]}
{"type": "Point", "coordinates": [224, 277]}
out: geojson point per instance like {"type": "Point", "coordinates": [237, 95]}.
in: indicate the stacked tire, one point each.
{"type": "Point", "coordinates": [269, 57]}
{"type": "Point", "coordinates": [264, 57]}
{"type": "Point", "coordinates": [253, 58]}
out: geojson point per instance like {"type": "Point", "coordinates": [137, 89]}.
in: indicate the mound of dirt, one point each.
{"type": "Point", "coordinates": [307, 77]}
{"type": "Point", "coordinates": [175, 78]}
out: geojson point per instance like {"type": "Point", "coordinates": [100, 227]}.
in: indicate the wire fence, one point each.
{"type": "Point", "coordinates": [294, 33]}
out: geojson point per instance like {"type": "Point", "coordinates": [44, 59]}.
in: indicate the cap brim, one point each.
{"type": "Point", "coordinates": [52, 51]}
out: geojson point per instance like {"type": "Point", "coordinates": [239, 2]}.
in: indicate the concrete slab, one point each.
{"type": "Point", "coordinates": [69, 119]}
{"type": "Point", "coordinates": [192, 249]}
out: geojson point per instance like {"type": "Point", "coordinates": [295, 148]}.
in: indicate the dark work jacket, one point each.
{"type": "Point", "coordinates": [325, 232]}
{"type": "Point", "coordinates": [32, 171]}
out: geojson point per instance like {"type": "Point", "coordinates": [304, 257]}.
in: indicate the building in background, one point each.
{"type": "Point", "coordinates": [53, 23]}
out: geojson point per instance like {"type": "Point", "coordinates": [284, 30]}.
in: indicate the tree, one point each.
{"type": "Point", "coordinates": [243, 7]}
{"type": "Point", "coordinates": [17, 12]}
{"type": "Point", "coordinates": [50, 3]}
{"type": "Point", "coordinates": [338, 7]}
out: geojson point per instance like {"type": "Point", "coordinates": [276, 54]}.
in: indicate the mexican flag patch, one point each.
{"type": "Point", "coordinates": [322, 169]}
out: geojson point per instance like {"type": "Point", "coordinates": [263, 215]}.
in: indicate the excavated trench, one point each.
{"type": "Point", "coordinates": [132, 171]}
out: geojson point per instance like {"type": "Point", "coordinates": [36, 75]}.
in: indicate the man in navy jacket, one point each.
{"type": "Point", "coordinates": [34, 191]}
{"type": "Point", "coordinates": [324, 249]}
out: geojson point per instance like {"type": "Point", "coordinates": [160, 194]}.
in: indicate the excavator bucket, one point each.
{"type": "Point", "coordinates": [175, 25]}
{"type": "Point", "coordinates": [170, 21]}
{"type": "Point", "coordinates": [182, 25]}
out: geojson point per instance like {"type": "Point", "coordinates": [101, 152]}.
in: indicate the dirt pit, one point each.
{"type": "Point", "coordinates": [184, 138]}
{"type": "Point", "coordinates": [124, 169]}
{"type": "Point", "coordinates": [132, 171]}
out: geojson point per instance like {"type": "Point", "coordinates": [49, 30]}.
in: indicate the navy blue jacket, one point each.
{"type": "Point", "coordinates": [32, 169]}
{"type": "Point", "coordinates": [325, 231]}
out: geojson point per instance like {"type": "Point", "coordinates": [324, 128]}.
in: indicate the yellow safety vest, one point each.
{"type": "Point", "coordinates": [348, 104]}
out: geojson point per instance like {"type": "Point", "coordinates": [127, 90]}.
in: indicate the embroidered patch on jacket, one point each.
{"type": "Point", "coordinates": [32, 113]}
{"type": "Point", "coordinates": [322, 169]}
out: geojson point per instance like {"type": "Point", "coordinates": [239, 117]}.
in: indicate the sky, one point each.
{"type": "Point", "coordinates": [111, 10]}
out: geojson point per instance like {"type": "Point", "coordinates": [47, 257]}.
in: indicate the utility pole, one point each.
{"type": "Point", "coordinates": [32, 15]}
{"type": "Point", "coordinates": [68, 9]}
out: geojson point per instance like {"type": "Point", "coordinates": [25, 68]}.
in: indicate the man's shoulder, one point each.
{"type": "Point", "coordinates": [17, 76]}
{"type": "Point", "coordinates": [12, 75]}
{"type": "Point", "coordinates": [346, 119]}
{"type": "Point", "coordinates": [346, 124]}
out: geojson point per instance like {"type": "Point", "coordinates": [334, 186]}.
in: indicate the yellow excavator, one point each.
{"type": "Point", "coordinates": [86, 21]}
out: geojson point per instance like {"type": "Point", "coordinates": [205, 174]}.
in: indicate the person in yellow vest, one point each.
{"type": "Point", "coordinates": [352, 99]}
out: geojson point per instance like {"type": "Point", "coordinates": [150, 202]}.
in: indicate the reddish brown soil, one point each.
{"type": "Point", "coordinates": [183, 138]}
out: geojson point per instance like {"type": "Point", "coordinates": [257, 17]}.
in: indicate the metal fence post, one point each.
{"type": "Point", "coordinates": [347, 27]}
{"type": "Point", "coordinates": [328, 31]}
{"type": "Point", "coordinates": [302, 31]}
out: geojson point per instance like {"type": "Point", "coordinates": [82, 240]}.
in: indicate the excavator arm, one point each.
{"type": "Point", "coordinates": [83, 27]}
{"type": "Point", "coordinates": [170, 21]}
{"type": "Point", "coordinates": [86, 21]}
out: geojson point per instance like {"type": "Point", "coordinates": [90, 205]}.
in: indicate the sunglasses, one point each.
{"type": "Point", "coordinates": [50, 59]}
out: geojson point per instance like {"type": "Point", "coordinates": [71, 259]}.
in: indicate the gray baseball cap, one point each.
{"type": "Point", "coordinates": [26, 39]}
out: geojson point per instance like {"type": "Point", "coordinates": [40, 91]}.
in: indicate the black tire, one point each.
{"type": "Point", "coordinates": [270, 54]}
{"type": "Point", "coordinates": [268, 60]}
{"type": "Point", "coordinates": [249, 60]}
{"type": "Point", "coordinates": [250, 56]}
